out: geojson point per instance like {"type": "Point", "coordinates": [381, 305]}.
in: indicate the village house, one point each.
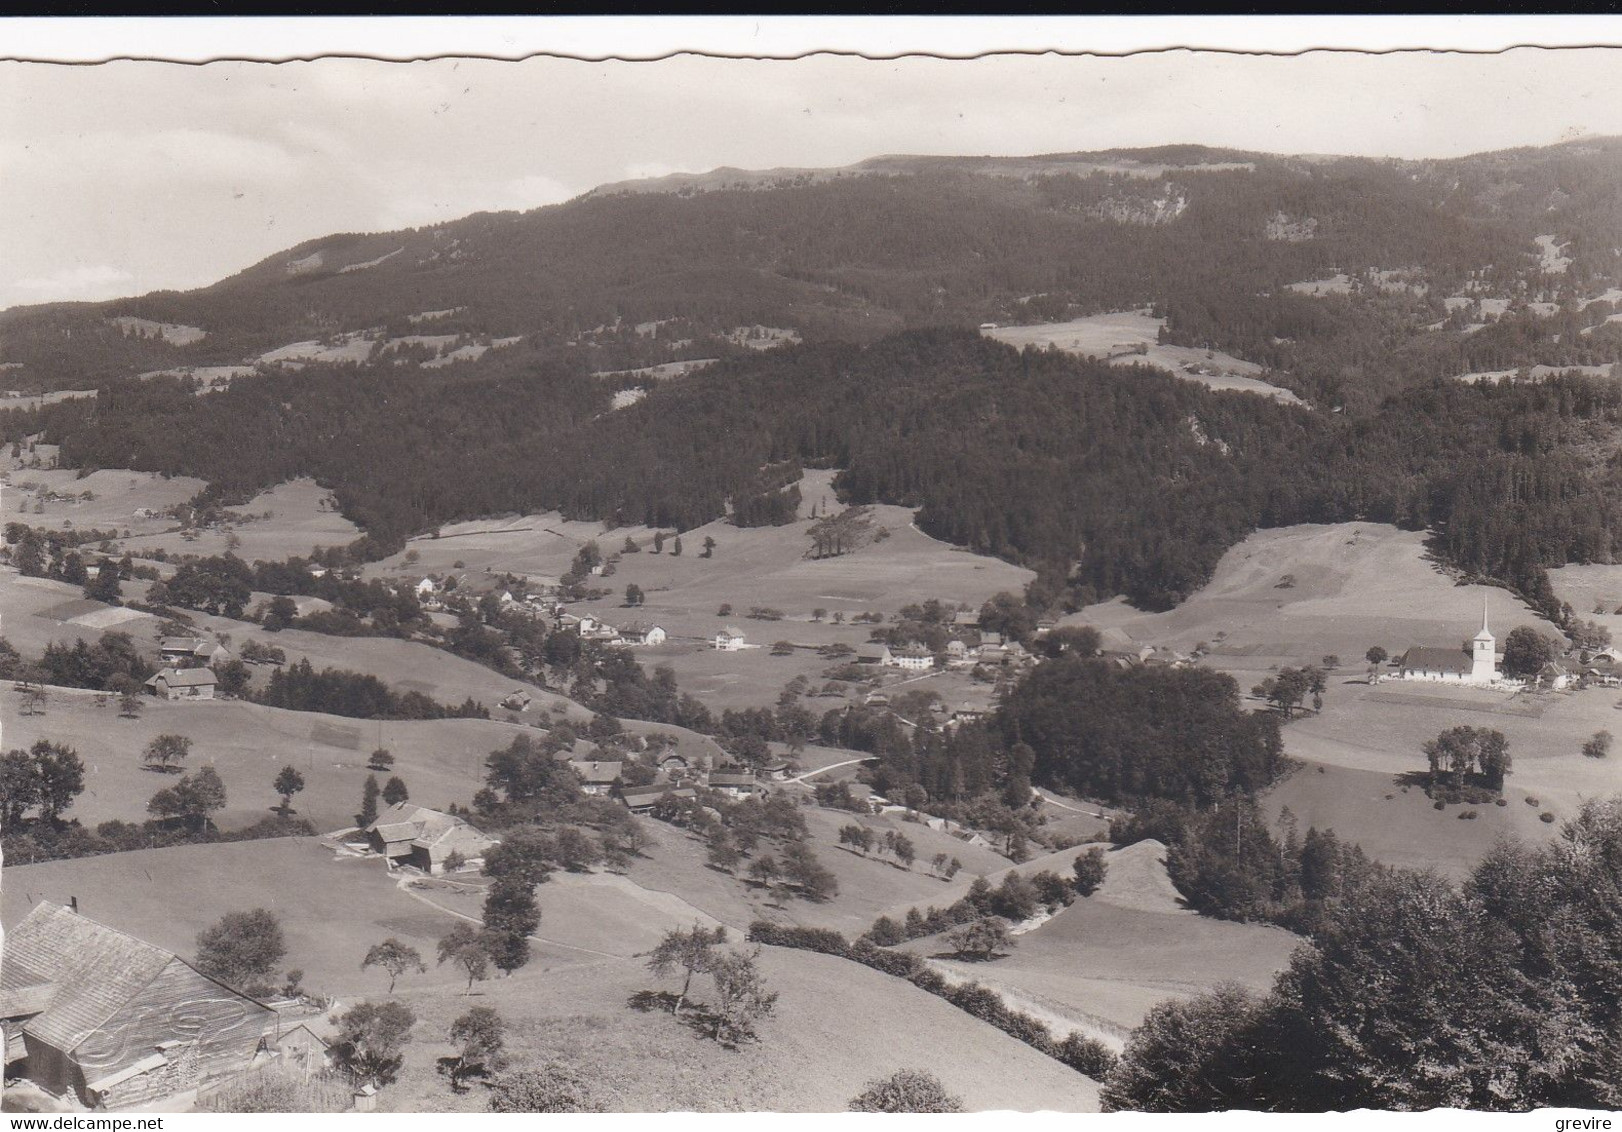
{"type": "Point", "coordinates": [674, 763]}
{"type": "Point", "coordinates": [427, 588]}
{"type": "Point", "coordinates": [422, 838]}
{"type": "Point", "coordinates": [113, 1021]}
{"type": "Point", "coordinates": [1558, 675]}
{"type": "Point", "coordinates": [637, 633]}
{"type": "Point", "coordinates": [911, 659]}
{"type": "Point", "coordinates": [729, 640]}
{"type": "Point", "coordinates": [183, 684]}
{"type": "Point", "coordinates": [597, 778]}
{"type": "Point", "coordinates": [1475, 664]}
{"type": "Point", "coordinates": [734, 784]}
{"type": "Point", "coordinates": [882, 658]}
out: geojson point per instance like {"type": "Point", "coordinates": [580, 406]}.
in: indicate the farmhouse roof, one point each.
{"type": "Point", "coordinates": [637, 795]}
{"type": "Point", "coordinates": [597, 773]}
{"type": "Point", "coordinates": [185, 644]}
{"type": "Point", "coordinates": [1425, 658]}
{"type": "Point", "coordinates": [403, 822]}
{"type": "Point", "coordinates": [90, 970]}
{"type": "Point", "coordinates": [184, 678]}
{"type": "Point", "coordinates": [731, 778]}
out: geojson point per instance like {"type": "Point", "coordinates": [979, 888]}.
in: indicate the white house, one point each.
{"type": "Point", "coordinates": [426, 587]}
{"type": "Point", "coordinates": [640, 634]}
{"type": "Point", "coordinates": [912, 660]}
{"type": "Point", "coordinates": [729, 640]}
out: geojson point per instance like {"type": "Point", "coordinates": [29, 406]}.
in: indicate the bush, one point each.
{"type": "Point", "coordinates": [1467, 815]}
{"type": "Point", "coordinates": [823, 940]}
{"type": "Point", "coordinates": [1502, 802]}
{"type": "Point", "coordinates": [901, 964]}
{"type": "Point", "coordinates": [1087, 1055]}
{"type": "Point", "coordinates": [909, 1090]}
{"type": "Point", "coordinates": [1546, 817]}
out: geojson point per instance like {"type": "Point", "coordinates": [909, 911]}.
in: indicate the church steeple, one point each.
{"type": "Point", "coordinates": [1483, 652]}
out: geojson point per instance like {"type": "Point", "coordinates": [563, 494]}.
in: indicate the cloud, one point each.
{"type": "Point", "coordinates": [91, 281]}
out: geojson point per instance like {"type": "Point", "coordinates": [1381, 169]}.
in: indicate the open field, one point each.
{"type": "Point", "coordinates": [37, 611]}
{"type": "Point", "coordinates": [297, 521]}
{"type": "Point", "coordinates": [1104, 961]}
{"type": "Point", "coordinates": [331, 910]}
{"type": "Point", "coordinates": [836, 1026]}
{"type": "Point", "coordinates": [1293, 595]}
{"type": "Point", "coordinates": [118, 494]}
{"type": "Point", "coordinates": [441, 760]}
{"type": "Point", "coordinates": [1118, 338]}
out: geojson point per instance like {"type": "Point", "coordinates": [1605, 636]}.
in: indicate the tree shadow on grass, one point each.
{"type": "Point", "coordinates": [694, 1015]}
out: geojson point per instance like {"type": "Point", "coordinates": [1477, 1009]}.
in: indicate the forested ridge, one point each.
{"type": "Point", "coordinates": [1106, 479]}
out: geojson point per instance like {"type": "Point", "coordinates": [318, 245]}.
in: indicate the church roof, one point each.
{"type": "Point", "coordinates": [1424, 658]}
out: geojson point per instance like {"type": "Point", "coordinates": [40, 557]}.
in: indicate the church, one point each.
{"type": "Point", "coordinates": [1475, 663]}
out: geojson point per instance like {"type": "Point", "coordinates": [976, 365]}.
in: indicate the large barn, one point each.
{"type": "Point", "coordinates": [113, 1020]}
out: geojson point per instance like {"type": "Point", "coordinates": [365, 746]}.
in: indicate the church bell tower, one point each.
{"type": "Point", "coordinates": [1483, 652]}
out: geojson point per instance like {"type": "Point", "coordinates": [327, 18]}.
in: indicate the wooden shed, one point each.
{"type": "Point", "coordinates": [115, 1021]}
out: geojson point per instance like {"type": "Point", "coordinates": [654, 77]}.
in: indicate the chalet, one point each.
{"type": "Point", "coordinates": [956, 649]}
{"type": "Point", "coordinates": [777, 770]}
{"type": "Point", "coordinates": [183, 684]}
{"type": "Point", "coordinates": [637, 633]}
{"type": "Point", "coordinates": [883, 658]}
{"type": "Point", "coordinates": [597, 777]}
{"type": "Point", "coordinates": [640, 799]}
{"type": "Point", "coordinates": [734, 784]}
{"type": "Point", "coordinates": [422, 838]}
{"type": "Point", "coordinates": [113, 1021]}
{"type": "Point", "coordinates": [876, 699]}
{"type": "Point", "coordinates": [674, 763]}
{"type": "Point", "coordinates": [517, 701]}
{"type": "Point", "coordinates": [1558, 675]}
{"type": "Point", "coordinates": [729, 640]}
{"type": "Point", "coordinates": [427, 588]}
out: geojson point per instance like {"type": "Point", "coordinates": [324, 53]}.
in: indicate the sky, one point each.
{"type": "Point", "coordinates": [132, 176]}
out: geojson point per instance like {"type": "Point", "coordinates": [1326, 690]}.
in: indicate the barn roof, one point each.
{"type": "Point", "coordinates": [731, 778]}
{"type": "Point", "coordinates": [92, 970]}
{"type": "Point", "coordinates": [1425, 658]}
{"type": "Point", "coordinates": [185, 678]}
{"type": "Point", "coordinates": [594, 773]}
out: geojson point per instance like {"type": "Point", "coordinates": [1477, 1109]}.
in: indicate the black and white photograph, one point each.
{"type": "Point", "coordinates": [661, 566]}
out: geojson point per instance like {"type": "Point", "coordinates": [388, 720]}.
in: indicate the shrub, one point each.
{"type": "Point", "coordinates": [1467, 815]}
{"type": "Point", "coordinates": [1546, 817]}
{"type": "Point", "coordinates": [1087, 1055]}
{"type": "Point", "coordinates": [902, 964]}
{"type": "Point", "coordinates": [824, 940]}
{"type": "Point", "coordinates": [1502, 802]}
{"type": "Point", "coordinates": [909, 1090]}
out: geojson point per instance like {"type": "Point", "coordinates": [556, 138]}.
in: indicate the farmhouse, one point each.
{"type": "Point", "coordinates": [183, 684]}
{"type": "Point", "coordinates": [113, 1021]}
{"type": "Point", "coordinates": [597, 777]}
{"type": "Point", "coordinates": [1558, 674]}
{"type": "Point", "coordinates": [881, 658]}
{"type": "Point", "coordinates": [729, 640]}
{"type": "Point", "coordinates": [640, 799]}
{"type": "Point", "coordinates": [424, 838]}
{"type": "Point", "coordinates": [1476, 665]}
{"type": "Point", "coordinates": [734, 784]}
{"type": "Point", "coordinates": [637, 633]}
